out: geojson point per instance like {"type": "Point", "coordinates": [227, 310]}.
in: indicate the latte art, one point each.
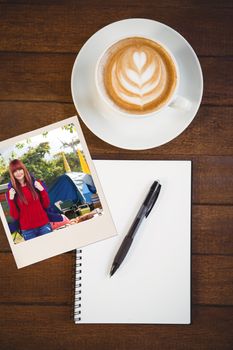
{"type": "Point", "coordinates": [138, 75]}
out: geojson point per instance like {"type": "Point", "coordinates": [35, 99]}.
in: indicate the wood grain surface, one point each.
{"type": "Point", "coordinates": [39, 41]}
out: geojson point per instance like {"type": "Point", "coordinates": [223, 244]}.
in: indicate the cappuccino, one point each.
{"type": "Point", "coordinates": [136, 76]}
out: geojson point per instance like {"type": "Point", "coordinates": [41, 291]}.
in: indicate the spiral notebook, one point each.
{"type": "Point", "coordinates": [153, 283]}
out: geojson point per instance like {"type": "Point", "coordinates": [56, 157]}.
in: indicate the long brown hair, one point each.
{"type": "Point", "coordinates": [14, 165]}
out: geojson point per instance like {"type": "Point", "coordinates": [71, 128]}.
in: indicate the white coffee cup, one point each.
{"type": "Point", "coordinates": [175, 100]}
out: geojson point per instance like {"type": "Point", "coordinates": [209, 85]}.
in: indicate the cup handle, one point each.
{"type": "Point", "coordinates": [180, 102]}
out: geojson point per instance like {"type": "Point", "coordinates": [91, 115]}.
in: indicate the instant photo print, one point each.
{"type": "Point", "coordinates": [51, 200]}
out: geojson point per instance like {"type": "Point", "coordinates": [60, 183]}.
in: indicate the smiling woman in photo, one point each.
{"type": "Point", "coordinates": [28, 201]}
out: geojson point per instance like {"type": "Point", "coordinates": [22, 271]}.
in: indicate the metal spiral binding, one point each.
{"type": "Point", "coordinates": [77, 286]}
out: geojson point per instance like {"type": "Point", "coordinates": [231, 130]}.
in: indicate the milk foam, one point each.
{"type": "Point", "coordinates": [137, 75]}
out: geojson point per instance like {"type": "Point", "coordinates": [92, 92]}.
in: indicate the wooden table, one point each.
{"type": "Point", "coordinates": [39, 41]}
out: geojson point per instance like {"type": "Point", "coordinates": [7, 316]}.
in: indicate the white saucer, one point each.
{"type": "Point", "coordinates": [135, 133]}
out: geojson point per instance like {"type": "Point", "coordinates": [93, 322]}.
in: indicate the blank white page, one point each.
{"type": "Point", "coordinates": [153, 283]}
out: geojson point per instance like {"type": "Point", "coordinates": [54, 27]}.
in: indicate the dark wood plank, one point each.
{"type": "Point", "coordinates": [212, 280]}
{"type": "Point", "coordinates": [37, 26]}
{"type": "Point", "coordinates": [210, 133]}
{"type": "Point", "coordinates": [49, 281]}
{"type": "Point", "coordinates": [214, 81]}
{"type": "Point", "coordinates": [41, 327]}
{"type": "Point", "coordinates": [212, 180]}
{"type": "Point", "coordinates": [166, 3]}
{"type": "Point", "coordinates": [211, 230]}
{"type": "Point", "coordinates": [20, 117]}
{"type": "Point", "coordinates": [37, 77]}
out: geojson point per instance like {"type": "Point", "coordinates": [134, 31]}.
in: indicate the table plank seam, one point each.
{"type": "Point", "coordinates": [210, 105]}
{"type": "Point", "coordinates": [3, 52]}
{"type": "Point", "coordinates": [193, 254]}
{"type": "Point", "coordinates": [51, 304]}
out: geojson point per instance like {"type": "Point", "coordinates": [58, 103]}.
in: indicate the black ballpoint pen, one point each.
{"type": "Point", "coordinates": [143, 212]}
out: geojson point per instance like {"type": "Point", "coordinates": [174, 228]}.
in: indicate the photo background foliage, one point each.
{"type": "Point", "coordinates": [40, 160]}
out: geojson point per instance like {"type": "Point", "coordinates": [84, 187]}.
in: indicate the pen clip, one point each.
{"type": "Point", "coordinates": [153, 201]}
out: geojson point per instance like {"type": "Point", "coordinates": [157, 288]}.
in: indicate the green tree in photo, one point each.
{"type": "Point", "coordinates": [37, 164]}
{"type": "Point", "coordinates": [34, 161]}
{"type": "Point", "coordinates": [3, 165]}
{"type": "Point", "coordinates": [3, 168]}
{"type": "Point", "coordinates": [73, 161]}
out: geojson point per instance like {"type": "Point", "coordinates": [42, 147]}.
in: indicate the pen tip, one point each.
{"type": "Point", "coordinates": [113, 270]}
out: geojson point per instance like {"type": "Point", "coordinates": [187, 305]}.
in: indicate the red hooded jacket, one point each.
{"type": "Point", "coordinates": [31, 215]}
